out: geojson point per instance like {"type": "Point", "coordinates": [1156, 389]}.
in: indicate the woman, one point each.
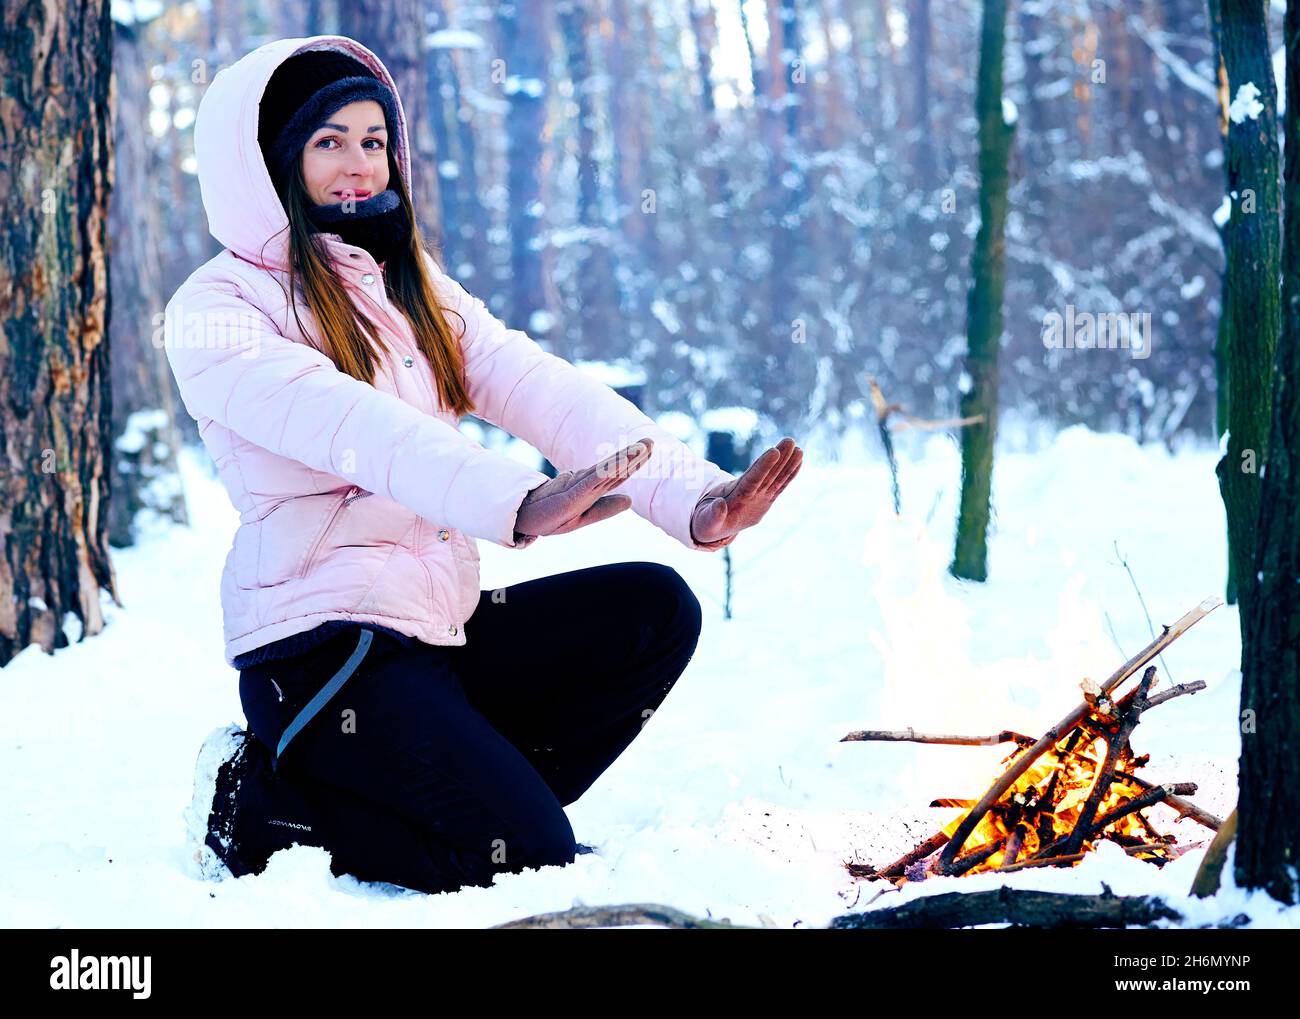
{"type": "Point", "coordinates": [424, 732]}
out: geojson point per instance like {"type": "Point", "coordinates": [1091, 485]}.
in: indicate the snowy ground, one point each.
{"type": "Point", "coordinates": [737, 800]}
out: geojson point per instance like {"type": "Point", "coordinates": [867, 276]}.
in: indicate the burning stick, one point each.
{"type": "Point", "coordinates": [1147, 799]}
{"type": "Point", "coordinates": [1114, 748]}
{"type": "Point", "coordinates": [900, 865]}
{"type": "Point", "coordinates": [974, 858]}
{"type": "Point", "coordinates": [1155, 847]}
{"type": "Point", "coordinates": [1184, 807]}
{"type": "Point", "coordinates": [1054, 735]}
{"type": "Point", "coordinates": [1013, 845]}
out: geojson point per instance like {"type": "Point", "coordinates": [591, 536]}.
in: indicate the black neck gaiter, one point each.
{"type": "Point", "coordinates": [378, 224]}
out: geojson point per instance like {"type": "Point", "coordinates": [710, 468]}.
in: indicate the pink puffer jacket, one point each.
{"type": "Point", "coordinates": [356, 501]}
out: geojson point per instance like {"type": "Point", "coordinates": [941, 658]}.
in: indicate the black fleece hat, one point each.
{"type": "Point", "coordinates": [303, 91]}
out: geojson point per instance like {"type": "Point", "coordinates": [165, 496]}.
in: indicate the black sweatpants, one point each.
{"type": "Point", "coordinates": [437, 767]}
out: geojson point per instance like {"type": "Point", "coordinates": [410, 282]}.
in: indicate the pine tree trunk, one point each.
{"type": "Point", "coordinates": [598, 289]}
{"type": "Point", "coordinates": [984, 304]}
{"type": "Point", "coordinates": [1268, 808]}
{"type": "Point", "coordinates": [525, 43]}
{"type": "Point", "coordinates": [144, 417]}
{"type": "Point", "coordinates": [1249, 327]}
{"type": "Point", "coordinates": [394, 30]}
{"type": "Point", "coordinates": [55, 403]}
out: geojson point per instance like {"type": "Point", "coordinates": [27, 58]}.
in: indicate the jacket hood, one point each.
{"type": "Point", "coordinates": [244, 212]}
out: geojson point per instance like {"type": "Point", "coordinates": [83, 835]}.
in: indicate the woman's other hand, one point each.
{"type": "Point", "coordinates": [574, 499]}
{"type": "Point", "coordinates": [731, 506]}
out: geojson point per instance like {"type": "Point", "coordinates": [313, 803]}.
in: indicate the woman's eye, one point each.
{"type": "Point", "coordinates": [378, 146]}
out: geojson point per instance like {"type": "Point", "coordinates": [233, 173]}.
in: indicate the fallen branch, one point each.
{"type": "Point", "coordinates": [1023, 907]}
{"type": "Point", "coordinates": [1207, 876]}
{"type": "Point", "coordinates": [629, 915]}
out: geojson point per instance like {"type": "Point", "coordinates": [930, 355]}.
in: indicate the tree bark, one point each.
{"type": "Point", "coordinates": [525, 38]}
{"type": "Point", "coordinates": [144, 408]}
{"type": "Point", "coordinates": [1268, 808]}
{"type": "Point", "coordinates": [394, 30]}
{"type": "Point", "coordinates": [984, 304]}
{"type": "Point", "coordinates": [1250, 323]}
{"type": "Point", "coordinates": [55, 401]}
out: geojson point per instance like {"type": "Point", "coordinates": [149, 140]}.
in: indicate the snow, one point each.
{"type": "Point", "coordinates": [1224, 212]}
{"type": "Point", "coordinates": [1246, 104]}
{"type": "Point", "coordinates": [740, 422]}
{"type": "Point", "coordinates": [1009, 111]}
{"type": "Point", "coordinates": [453, 38]}
{"type": "Point", "coordinates": [616, 375]}
{"type": "Point", "coordinates": [738, 799]}
{"type": "Point", "coordinates": [139, 425]}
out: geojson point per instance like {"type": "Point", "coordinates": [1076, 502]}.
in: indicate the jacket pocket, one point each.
{"type": "Point", "coordinates": [317, 546]}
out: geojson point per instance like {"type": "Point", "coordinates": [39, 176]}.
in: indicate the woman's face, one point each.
{"type": "Point", "coordinates": [346, 158]}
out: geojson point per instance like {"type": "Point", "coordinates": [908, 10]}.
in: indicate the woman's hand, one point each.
{"type": "Point", "coordinates": [575, 499]}
{"type": "Point", "coordinates": [731, 506]}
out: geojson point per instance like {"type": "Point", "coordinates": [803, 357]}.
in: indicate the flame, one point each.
{"type": "Point", "coordinates": [1048, 799]}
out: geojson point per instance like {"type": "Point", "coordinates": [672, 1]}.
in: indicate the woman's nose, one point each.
{"type": "Point", "coordinates": [358, 162]}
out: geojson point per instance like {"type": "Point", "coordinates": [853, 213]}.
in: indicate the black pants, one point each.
{"type": "Point", "coordinates": [437, 767]}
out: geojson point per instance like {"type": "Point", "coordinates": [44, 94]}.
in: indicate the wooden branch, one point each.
{"type": "Point", "coordinates": [912, 736]}
{"type": "Point", "coordinates": [1013, 906]}
{"type": "Point", "coordinates": [1151, 796]}
{"type": "Point", "coordinates": [1058, 731]}
{"type": "Point", "coordinates": [1016, 906]}
{"type": "Point", "coordinates": [927, 425]}
{"type": "Point", "coordinates": [1175, 691]}
{"type": "Point", "coordinates": [1207, 876]}
{"type": "Point", "coordinates": [628, 915]}
{"type": "Point", "coordinates": [1185, 808]}
{"type": "Point", "coordinates": [883, 410]}
{"type": "Point", "coordinates": [1014, 845]}
{"type": "Point", "coordinates": [1154, 795]}
{"type": "Point", "coordinates": [897, 868]}
{"type": "Point", "coordinates": [1161, 847]}
{"type": "Point", "coordinates": [974, 858]}
{"type": "Point", "coordinates": [1114, 747]}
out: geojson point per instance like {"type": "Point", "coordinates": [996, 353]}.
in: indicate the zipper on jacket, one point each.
{"type": "Point", "coordinates": [419, 557]}
{"type": "Point", "coordinates": [329, 526]}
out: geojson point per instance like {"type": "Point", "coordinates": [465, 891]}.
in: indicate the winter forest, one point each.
{"type": "Point", "coordinates": [1021, 278]}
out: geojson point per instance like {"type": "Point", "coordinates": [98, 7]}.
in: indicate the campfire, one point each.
{"type": "Point", "coordinates": [1059, 795]}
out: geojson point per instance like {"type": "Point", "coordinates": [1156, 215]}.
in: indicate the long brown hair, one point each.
{"type": "Point", "coordinates": [350, 337]}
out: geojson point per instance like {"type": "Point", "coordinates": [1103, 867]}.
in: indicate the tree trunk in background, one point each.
{"type": "Point", "coordinates": [394, 30]}
{"type": "Point", "coordinates": [525, 44]}
{"type": "Point", "coordinates": [1224, 332]}
{"type": "Point", "coordinates": [704, 30]}
{"type": "Point", "coordinates": [55, 402]}
{"type": "Point", "coordinates": [468, 257]}
{"type": "Point", "coordinates": [1268, 821]}
{"type": "Point", "coordinates": [984, 304]}
{"type": "Point", "coordinates": [919, 34]}
{"type": "Point", "coordinates": [143, 462]}
{"type": "Point", "coordinates": [1250, 323]}
{"type": "Point", "coordinates": [598, 289]}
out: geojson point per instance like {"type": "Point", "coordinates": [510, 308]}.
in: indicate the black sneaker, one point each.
{"type": "Point", "coordinates": [234, 821]}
